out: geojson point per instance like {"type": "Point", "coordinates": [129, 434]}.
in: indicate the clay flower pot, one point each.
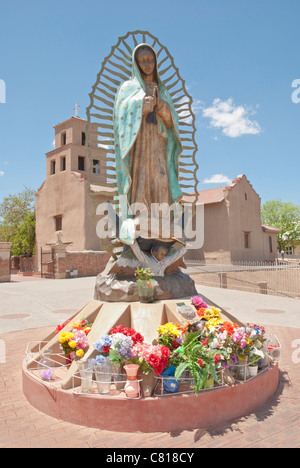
{"type": "Point", "coordinates": [132, 386]}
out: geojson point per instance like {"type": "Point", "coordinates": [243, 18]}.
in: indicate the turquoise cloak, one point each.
{"type": "Point", "coordinates": [127, 122]}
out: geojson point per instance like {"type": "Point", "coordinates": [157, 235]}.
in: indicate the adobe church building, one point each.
{"type": "Point", "coordinates": [233, 228]}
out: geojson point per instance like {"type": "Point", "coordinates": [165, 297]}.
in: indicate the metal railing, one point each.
{"type": "Point", "coordinates": [279, 278]}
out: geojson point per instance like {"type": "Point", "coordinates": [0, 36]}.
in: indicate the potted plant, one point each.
{"type": "Point", "coordinates": [253, 365]}
{"type": "Point", "coordinates": [145, 284]}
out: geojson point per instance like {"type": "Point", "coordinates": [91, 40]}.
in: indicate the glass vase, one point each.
{"type": "Point", "coordinates": [148, 383]}
{"type": "Point", "coordinates": [118, 377]}
{"type": "Point", "coordinates": [103, 373]}
{"type": "Point", "coordinates": [86, 375]}
{"type": "Point", "coordinates": [45, 365]}
{"type": "Point", "coordinates": [146, 290]}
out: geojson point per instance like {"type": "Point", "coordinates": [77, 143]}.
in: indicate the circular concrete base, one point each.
{"type": "Point", "coordinates": [159, 414]}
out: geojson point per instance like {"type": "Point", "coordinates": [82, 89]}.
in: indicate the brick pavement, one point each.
{"type": "Point", "coordinates": [275, 424]}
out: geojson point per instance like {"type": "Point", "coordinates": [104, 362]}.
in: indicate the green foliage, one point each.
{"type": "Point", "coordinates": [285, 216]}
{"type": "Point", "coordinates": [143, 274]}
{"type": "Point", "coordinates": [17, 222]}
{"type": "Point", "coordinates": [192, 352]}
{"type": "Point", "coordinates": [24, 240]}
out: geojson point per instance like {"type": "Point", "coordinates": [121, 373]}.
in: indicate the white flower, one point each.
{"type": "Point", "coordinates": [215, 344]}
{"type": "Point", "coordinates": [257, 352]}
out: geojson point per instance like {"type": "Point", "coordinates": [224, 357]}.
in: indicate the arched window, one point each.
{"type": "Point", "coordinates": [270, 244]}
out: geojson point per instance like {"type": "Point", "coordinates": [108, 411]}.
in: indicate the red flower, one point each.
{"type": "Point", "coordinates": [165, 351]}
{"type": "Point", "coordinates": [175, 344]}
{"type": "Point", "coordinates": [134, 335]}
{"type": "Point", "coordinates": [154, 361]}
{"type": "Point", "coordinates": [59, 328]}
{"type": "Point", "coordinates": [217, 358]}
{"type": "Point", "coordinates": [200, 362]}
{"type": "Point", "coordinates": [205, 342]}
{"type": "Point", "coordinates": [137, 338]}
{"type": "Point", "coordinates": [165, 354]}
{"type": "Point", "coordinates": [158, 370]}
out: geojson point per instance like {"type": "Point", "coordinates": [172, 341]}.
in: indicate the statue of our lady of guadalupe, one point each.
{"type": "Point", "coordinates": [147, 143]}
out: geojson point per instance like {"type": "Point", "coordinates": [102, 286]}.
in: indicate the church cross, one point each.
{"type": "Point", "coordinates": [76, 109]}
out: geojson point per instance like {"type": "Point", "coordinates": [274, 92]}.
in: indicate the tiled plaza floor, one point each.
{"type": "Point", "coordinates": [275, 424]}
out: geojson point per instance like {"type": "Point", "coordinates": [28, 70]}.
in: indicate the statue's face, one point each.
{"type": "Point", "coordinates": [160, 253]}
{"type": "Point", "coordinates": [146, 61]}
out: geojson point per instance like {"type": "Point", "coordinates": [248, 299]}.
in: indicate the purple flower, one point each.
{"type": "Point", "coordinates": [47, 374]}
{"type": "Point", "coordinates": [234, 358]}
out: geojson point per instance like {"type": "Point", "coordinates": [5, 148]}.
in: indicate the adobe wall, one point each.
{"type": "Point", "coordinates": [87, 263]}
{"type": "Point", "coordinates": [245, 216]}
{"type": "Point", "coordinates": [216, 236]}
{"type": "Point", "coordinates": [270, 256]}
{"type": "Point", "coordinates": [5, 262]}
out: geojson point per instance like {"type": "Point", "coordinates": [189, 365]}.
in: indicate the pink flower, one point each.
{"type": "Point", "coordinates": [199, 302]}
{"type": "Point", "coordinates": [222, 336]}
{"type": "Point", "coordinates": [243, 343]}
{"type": "Point", "coordinates": [236, 337]}
{"type": "Point", "coordinates": [81, 339]}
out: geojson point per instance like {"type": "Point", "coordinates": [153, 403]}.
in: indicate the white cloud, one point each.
{"type": "Point", "coordinates": [233, 120]}
{"type": "Point", "coordinates": [218, 179]}
{"type": "Point", "coordinates": [197, 105]}
{"type": "Point", "coordinates": [1, 173]}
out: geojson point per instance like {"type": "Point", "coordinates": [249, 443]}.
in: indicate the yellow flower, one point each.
{"type": "Point", "coordinates": [72, 344]}
{"type": "Point", "coordinates": [169, 329]}
{"type": "Point", "coordinates": [79, 352]}
{"type": "Point", "coordinates": [65, 336]}
{"type": "Point", "coordinates": [213, 322]}
{"type": "Point", "coordinates": [62, 337]}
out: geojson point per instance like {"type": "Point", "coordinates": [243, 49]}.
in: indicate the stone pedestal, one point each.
{"type": "Point", "coordinates": [171, 286]}
{"type": "Point", "coordinates": [5, 261]}
{"type": "Point", "coordinates": [59, 256]}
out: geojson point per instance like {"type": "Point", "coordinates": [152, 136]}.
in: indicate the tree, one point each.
{"type": "Point", "coordinates": [24, 239]}
{"type": "Point", "coordinates": [285, 216]}
{"type": "Point", "coordinates": [17, 222]}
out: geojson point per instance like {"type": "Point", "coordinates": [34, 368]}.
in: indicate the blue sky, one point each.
{"type": "Point", "coordinates": [238, 58]}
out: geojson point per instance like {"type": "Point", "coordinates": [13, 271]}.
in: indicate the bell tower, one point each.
{"type": "Point", "coordinates": [63, 203]}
